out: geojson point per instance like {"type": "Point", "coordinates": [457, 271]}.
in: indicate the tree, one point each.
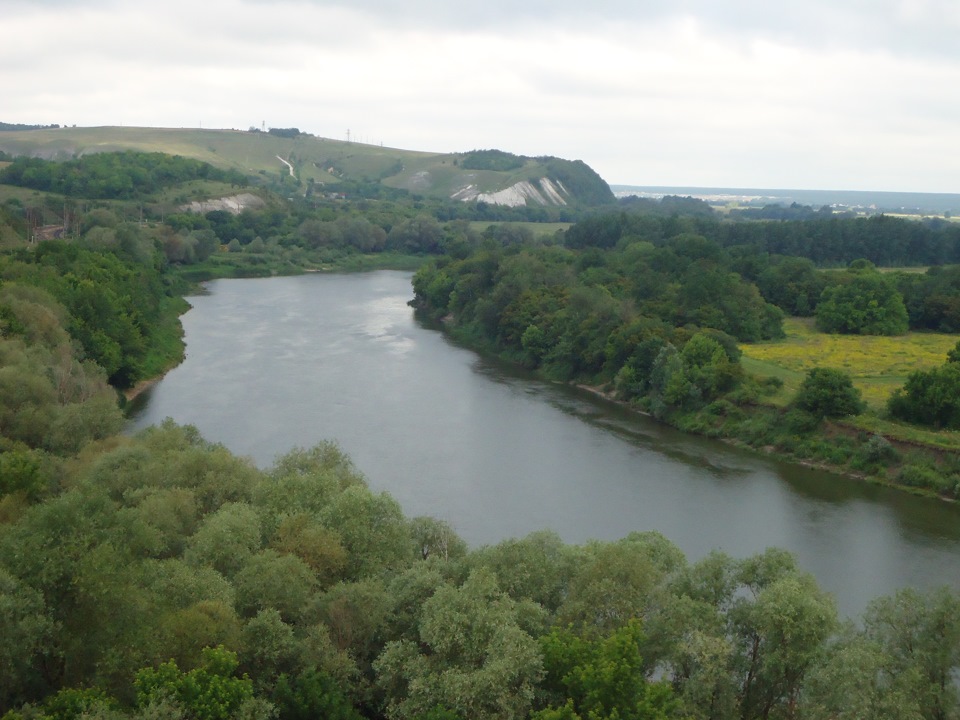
{"type": "Point", "coordinates": [209, 692]}
{"type": "Point", "coordinates": [862, 303]}
{"type": "Point", "coordinates": [920, 635]}
{"type": "Point", "coordinates": [827, 392]}
{"type": "Point", "coordinates": [283, 583]}
{"type": "Point", "coordinates": [227, 539]}
{"type": "Point", "coordinates": [615, 582]}
{"type": "Point", "coordinates": [930, 397]}
{"type": "Point", "coordinates": [860, 680]}
{"type": "Point", "coordinates": [473, 658]}
{"type": "Point", "coordinates": [27, 632]}
{"type": "Point", "coordinates": [372, 529]}
{"type": "Point", "coordinates": [792, 284]}
{"type": "Point", "coordinates": [311, 695]}
{"type": "Point", "coordinates": [602, 679]}
{"type": "Point", "coordinates": [421, 234]}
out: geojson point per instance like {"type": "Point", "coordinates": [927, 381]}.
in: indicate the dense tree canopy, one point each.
{"type": "Point", "coordinates": [112, 175]}
{"type": "Point", "coordinates": [862, 302]}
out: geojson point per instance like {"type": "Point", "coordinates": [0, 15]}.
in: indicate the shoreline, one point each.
{"type": "Point", "coordinates": [773, 452]}
{"type": "Point", "coordinates": [142, 386]}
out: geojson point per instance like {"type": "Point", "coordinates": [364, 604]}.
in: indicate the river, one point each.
{"type": "Point", "coordinates": [282, 362]}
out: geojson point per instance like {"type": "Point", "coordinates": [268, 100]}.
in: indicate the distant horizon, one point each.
{"type": "Point", "coordinates": [882, 200]}
{"type": "Point", "coordinates": [759, 189]}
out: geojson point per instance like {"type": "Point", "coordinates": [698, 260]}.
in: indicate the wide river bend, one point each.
{"type": "Point", "coordinates": [282, 362]}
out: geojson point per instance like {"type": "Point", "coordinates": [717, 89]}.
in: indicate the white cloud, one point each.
{"type": "Point", "coordinates": [815, 94]}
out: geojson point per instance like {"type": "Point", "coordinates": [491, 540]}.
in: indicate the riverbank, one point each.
{"type": "Point", "coordinates": [872, 469]}
{"type": "Point", "coordinates": [498, 453]}
{"type": "Point", "coordinates": [792, 436]}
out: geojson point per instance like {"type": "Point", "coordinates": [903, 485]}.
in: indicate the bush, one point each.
{"type": "Point", "coordinates": [923, 477]}
{"type": "Point", "coordinates": [930, 397]}
{"type": "Point", "coordinates": [863, 303]}
{"type": "Point", "coordinates": [878, 450]}
{"type": "Point", "coordinates": [800, 422]}
{"type": "Point", "coordinates": [826, 392]}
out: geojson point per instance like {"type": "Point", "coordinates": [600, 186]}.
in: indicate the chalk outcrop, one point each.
{"type": "Point", "coordinates": [549, 192]}
{"type": "Point", "coordinates": [234, 204]}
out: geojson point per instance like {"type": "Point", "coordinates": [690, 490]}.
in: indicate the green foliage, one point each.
{"type": "Point", "coordinates": [930, 397]}
{"type": "Point", "coordinates": [932, 299]}
{"type": "Point", "coordinates": [111, 175]}
{"type": "Point", "coordinates": [491, 160]}
{"type": "Point", "coordinates": [51, 401]}
{"type": "Point", "coordinates": [27, 632]}
{"type": "Point", "coordinates": [421, 234]}
{"type": "Point", "coordinates": [473, 657]}
{"type": "Point", "coordinates": [592, 315]}
{"type": "Point", "coordinates": [111, 299]}
{"type": "Point", "coordinates": [827, 392]}
{"type": "Point", "coordinates": [603, 678]}
{"type": "Point", "coordinates": [580, 180]}
{"type": "Point", "coordinates": [864, 302]}
{"type": "Point", "coordinates": [792, 284]}
{"type": "Point", "coordinates": [167, 546]}
{"type": "Point", "coordinates": [208, 692]}
{"type": "Point", "coordinates": [920, 636]}
{"type": "Point", "coordinates": [312, 695]}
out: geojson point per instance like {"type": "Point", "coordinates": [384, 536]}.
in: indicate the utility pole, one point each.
{"type": "Point", "coordinates": [348, 136]}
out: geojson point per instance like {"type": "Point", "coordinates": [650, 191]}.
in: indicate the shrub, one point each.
{"type": "Point", "coordinates": [923, 477]}
{"type": "Point", "coordinates": [827, 392]}
{"type": "Point", "coordinates": [863, 303]}
{"type": "Point", "coordinates": [800, 422]}
{"type": "Point", "coordinates": [878, 450]}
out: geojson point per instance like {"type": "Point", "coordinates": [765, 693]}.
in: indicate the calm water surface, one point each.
{"type": "Point", "coordinates": [283, 362]}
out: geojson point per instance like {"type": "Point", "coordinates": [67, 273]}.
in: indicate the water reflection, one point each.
{"type": "Point", "coordinates": [283, 362]}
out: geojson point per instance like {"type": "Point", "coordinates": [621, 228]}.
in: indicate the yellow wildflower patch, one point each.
{"type": "Point", "coordinates": [877, 365]}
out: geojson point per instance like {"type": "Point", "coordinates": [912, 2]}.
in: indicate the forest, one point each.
{"type": "Point", "coordinates": [660, 324]}
{"type": "Point", "coordinates": [124, 176]}
{"type": "Point", "coordinates": [160, 576]}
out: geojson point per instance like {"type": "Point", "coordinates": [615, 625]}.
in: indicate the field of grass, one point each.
{"type": "Point", "coordinates": [878, 365]}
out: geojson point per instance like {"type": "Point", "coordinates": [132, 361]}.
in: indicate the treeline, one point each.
{"type": "Point", "coordinates": [491, 160]}
{"type": "Point", "coordinates": [826, 241]}
{"type": "Point", "coordinates": [116, 175]}
{"type": "Point", "coordinates": [163, 577]}
{"type": "Point", "coordinates": [658, 325]}
{"type": "Point", "coordinates": [24, 126]}
{"type": "Point", "coordinates": [661, 322]}
{"type": "Point", "coordinates": [114, 297]}
{"type": "Point", "coordinates": [54, 399]}
{"type": "Point", "coordinates": [583, 312]}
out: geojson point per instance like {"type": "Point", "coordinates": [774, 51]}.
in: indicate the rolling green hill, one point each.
{"type": "Point", "coordinates": [510, 180]}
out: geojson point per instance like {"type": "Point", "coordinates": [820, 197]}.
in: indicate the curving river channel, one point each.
{"type": "Point", "coordinates": [283, 362]}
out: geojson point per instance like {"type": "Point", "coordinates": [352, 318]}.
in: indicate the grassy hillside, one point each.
{"type": "Point", "coordinates": [321, 160]}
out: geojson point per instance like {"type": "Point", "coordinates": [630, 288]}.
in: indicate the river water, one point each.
{"type": "Point", "coordinates": [282, 362]}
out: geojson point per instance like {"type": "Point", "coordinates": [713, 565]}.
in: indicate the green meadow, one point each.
{"type": "Point", "coordinates": [878, 365]}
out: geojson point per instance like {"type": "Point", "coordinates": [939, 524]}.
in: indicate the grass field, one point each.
{"type": "Point", "coordinates": [878, 365]}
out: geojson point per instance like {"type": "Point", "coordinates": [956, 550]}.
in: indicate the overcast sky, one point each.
{"type": "Point", "coordinates": [816, 94]}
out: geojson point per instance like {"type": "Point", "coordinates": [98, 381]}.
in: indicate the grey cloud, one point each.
{"type": "Point", "coordinates": [926, 28]}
